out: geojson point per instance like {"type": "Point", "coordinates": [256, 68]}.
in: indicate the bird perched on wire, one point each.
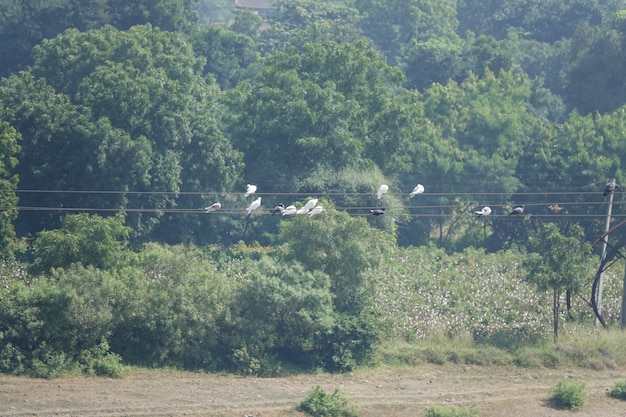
{"type": "Point", "coordinates": [517, 211]}
{"type": "Point", "coordinates": [279, 209]}
{"type": "Point", "coordinates": [310, 205]}
{"type": "Point", "coordinates": [250, 189]}
{"type": "Point", "coordinates": [485, 211]}
{"type": "Point", "coordinates": [419, 189]}
{"type": "Point", "coordinates": [316, 210]}
{"type": "Point", "coordinates": [377, 212]}
{"type": "Point", "coordinates": [213, 207]}
{"type": "Point", "coordinates": [290, 210]}
{"type": "Point", "coordinates": [382, 190]}
{"type": "Point", "coordinates": [254, 205]}
{"type": "Point", "coordinates": [610, 187]}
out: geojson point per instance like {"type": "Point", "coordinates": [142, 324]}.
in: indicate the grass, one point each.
{"type": "Point", "coordinates": [593, 348]}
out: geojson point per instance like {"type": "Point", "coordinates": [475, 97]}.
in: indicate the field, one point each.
{"type": "Point", "coordinates": [496, 391]}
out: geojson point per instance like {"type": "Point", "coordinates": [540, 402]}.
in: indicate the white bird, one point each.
{"type": "Point", "coordinates": [250, 189]}
{"type": "Point", "coordinates": [382, 190]}
{"type": "Point", "coordinates": [213, 207]}
{"type": "Point", "coordinates": [486, 211]}
{"type": "Point", "coordinates": [316, 210]}
{"type": "Point", "coordinates": [419, 189]}
{"type": "Point", "coordinates": [254, 205]}
{"type": "Point", "coordinates": [302, 210]}
{"type": "Point", "coordinates": [289, 210]}
{"type": "Point", "coordinates": [377, 212]}
{"type": "Point", "coordinates": [310, 204]}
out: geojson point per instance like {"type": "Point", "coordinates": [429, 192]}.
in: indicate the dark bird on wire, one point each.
{"type": "Point", "coordinates": [377, 212]}
{"type": "Point", "coordinates": [611, 186]}
{"type": "Point", "coordinates": [517, 211]}
{"type": "Point", "coordinates": [279, 209]}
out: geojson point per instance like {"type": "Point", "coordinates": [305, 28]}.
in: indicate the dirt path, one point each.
{"type": "Point", "coordinates": [510, 392]}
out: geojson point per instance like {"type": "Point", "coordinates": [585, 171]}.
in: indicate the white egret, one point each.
{"type": "Point", "coordinates": [290, 210]}
{"type": "Point", "coordinates": [486, 211]}
{"type": "Point", "coordinates": [310, 204]}
{"type": "Point", "coordinates": [213, 207]}
{"type": "Point", "coordinates": [250, 189]}
{"type": "Point", "coordinates": [254, 205]}
{"type": "Point", "coordinates": [382, 190]}
{"type": "Point", "coordinates": [419, 189]}
{"type": "Point", "coordinates": [316, 210]}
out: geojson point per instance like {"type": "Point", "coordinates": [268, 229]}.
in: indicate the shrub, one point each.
{"type": "Point", "coordinates": [321, 404]}
{"type": "Point", "coordinates": [101, 362]}
{"type": "Point", "coordinates": [619, 390]}
{"type": "Point", "coordinates": [451, 411]}
{"type": "Point", "coordinates": [570, 395]}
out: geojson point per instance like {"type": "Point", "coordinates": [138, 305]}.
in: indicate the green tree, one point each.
{"type": "Point", "coordinates": [134, 98]}
{"type": "Point", "coordinates": [231, 56]}
{"type": "Point", "coordinates": [26, 24]}
{"type": "Point", "coordinates": [170, 303]}
{"type": "Point", "coordinates": [559, 262]}
{"type": "Point", "coordinates": [8, 182]}
{"type": "Point", "coordinates": [83, 239]}
{"type": "Point", "coordinates": [281, 313]}
{"type": "Point", "coordinates": [393, 25]}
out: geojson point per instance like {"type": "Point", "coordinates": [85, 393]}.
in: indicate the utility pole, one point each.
{"type": "Point", "coordinates": [604, 245]}
{"type": "Point", "coordinates": [622, 316]}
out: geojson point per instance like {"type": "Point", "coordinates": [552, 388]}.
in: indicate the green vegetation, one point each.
{"type": "Point", "coordinates": [566, 394]}
{"type": "Point", "coordinates": [451, 411]}
{"type": "Point", "coordinates": [120, 121]}
{"type": "Point", "coordinates": [618, 390]}
{"type": "Point", "coordinates": [319, 403]}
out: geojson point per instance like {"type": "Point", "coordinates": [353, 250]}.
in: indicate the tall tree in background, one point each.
{"type": "Point", "coordinates": [24, 24]}
{"type": "Point", "coordinates": [9, 148]}
{"type": "Point", "coordinates": [108, 99]}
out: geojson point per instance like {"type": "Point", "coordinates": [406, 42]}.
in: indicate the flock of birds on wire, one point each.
{"type": "Point", "coordinates": [312, 207]}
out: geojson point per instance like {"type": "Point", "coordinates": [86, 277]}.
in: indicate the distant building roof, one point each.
{"type": "Point", "coordinates": [254, 4]}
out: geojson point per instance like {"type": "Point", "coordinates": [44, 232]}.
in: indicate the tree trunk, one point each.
{"type": "Point", "coordinates": [555, 311]}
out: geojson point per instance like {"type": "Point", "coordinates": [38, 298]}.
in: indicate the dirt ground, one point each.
{"type": "Point", "coordinates": [497, 392]}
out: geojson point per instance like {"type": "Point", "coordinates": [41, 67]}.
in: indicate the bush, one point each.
{"type": "Point", "coordinates": [451, 411]}
{"type": "Point", "coordinates": [570, 395]}
{"type": "Point", "coordinates": [619, 390]}
{"type": "Point", "coordinates": [100, 362]}
{"type": "Point", "coordinates": [321, 404]}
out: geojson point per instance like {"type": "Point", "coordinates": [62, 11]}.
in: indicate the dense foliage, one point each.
{"type": "Point", "coordinates": [120, 121]}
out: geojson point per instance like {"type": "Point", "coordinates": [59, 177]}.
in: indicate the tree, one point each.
{"type": "Point", "coordinates": [231, 56]}
{"type": "Point", "coordinates": [26, 24]}
{"type": "Point", "coordinates": [9, 148]}
{"type": "Point", "coordinates": [83, 239]}
{"type": "Point", "coordinates": [560, 262]}
{"type": "Point", "coordinates": [134, 98]}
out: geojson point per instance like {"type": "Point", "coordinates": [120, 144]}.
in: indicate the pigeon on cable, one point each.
{"type": "Point", "coordinates": [419, 189]}
{"type": "Point", "coordinates": [382, 190]}
{"type": "Point", "coordinates": [290, 210]}
{"type": "Point", "coordinates": [213, 207]}
{"type": "Point", "coordinates": [279, 209]}
{"type": "Point", "coordinates": [611, 186]}
{"type": "Point", "coordinates": [250, 189]}
{"type": "Point", "coordinates": [377, 212]}
{"type": "Point", "coordinates": [254, 205]}
{"type": "Point", "coordinates": [316, 210]}
{"type": "Point", "coordinates": [485, 211]}
{"type": "Point", "coordinates": [517, 211]}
